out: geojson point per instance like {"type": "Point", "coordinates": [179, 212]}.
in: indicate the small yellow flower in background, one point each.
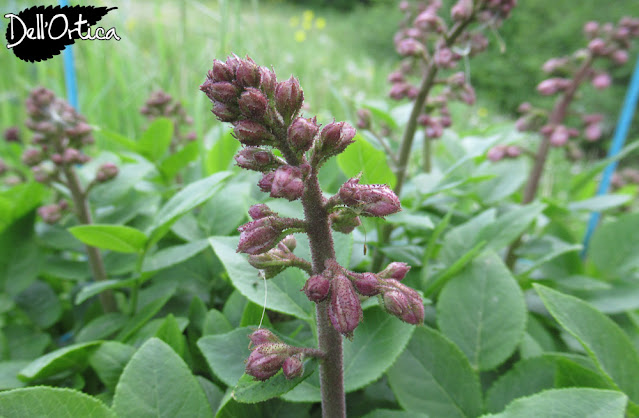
{"type": "Point", "coordinates": [130, 24]}
{"type": "Point", "coordinates": [294, 21]}
{"type": "Point", "coordinates": [300, 36]}
{"type": "Point", "coordinates": [308, 15]}
{"type": "Point", "coordinates": [320, 23]}
{"type": "Point", "coordinates": [482, 112]}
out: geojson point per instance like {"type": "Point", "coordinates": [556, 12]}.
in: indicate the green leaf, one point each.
{"type": "Point", "coordinates": [102, 327]}
{"type": "Point", "coordinates": [249, 390]}
{"type": "Point", "coordinates": [509, 176]}
{"type": "Point", "coordinates": [9, 374]}
{"type": "Point", "coordinates": [605, 342]}
{"type": "Point", "coordinates": [600, 203]}
{"type": "Point", "coordinates": [462, 238]}
{"type": "Point", "coordinates": [171, 333]}
{"type": "Point", "coordinates": [109, 360]}
{"type": "Point", "coordinates": [116, 138]}
{"type": "Point", "coordinates": [510, 225]}
{"type": "Point", "coordinates": [19, 200]}
{"type": "Point", "coordinates": [176, 162]}
{"type": "Point", "coordinates": [433, 376]}
{"type": "Point", "coordinates": [72, 357]}
{"type": "Point", "coordinates": [156, 139]}
{"type": "Point", "coordinates": [365, 158]}
{"type": "Point", "coordinates": [143, 316]}
{"type": "Point", "coordinates": [377, 342]}
{"type": "Point", "coordinates": [613, 250]}
{"type": "Point", "coordinates": [213, 394]}
{"type": "Point", "coordinates": [563, 403]}
{"type": "Point", "coordinates": [119, 238]}
{"type": "Point", "coordinates": [43, 401]}
{"type": "Point", "coordinates": [170, 256]}
{"type": "Point", "coordinates": [93, 289]}
{"type": "Point", "coordinates": [220, 156]}
{"type": "Point", "coordinates": [225, 353]}
{"type": "Point", "coordinates": [24, 343]}
{"type": "Point", "coordinates": [215, 323]}
{"type": "Point", "coordinates": [157, 383]}
{"type": "Point", "coordinates": [283, 291]}
{"type": "Point", "coordinates": [483, 311]}
{"type": "Point", "coordinates": [182, 202]}
{"type": "Point", "coordinates": [390, 413]}
{"type": "Point", "coordinates": [412, 221]}
{"type": "Point", "coordinates": [40, 303]}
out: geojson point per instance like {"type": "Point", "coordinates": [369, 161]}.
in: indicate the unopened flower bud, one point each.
{"type": "Point", "coordinates": [396, 77]}
{"type": "Point", "coordinates": [434, 129]}
{"type": "Point", "coordinates": [289, 242]}
{"type": "Point", "coordinates": [513, 151]}
{"type": "Point", "coordinates": [266, 182]}
{"type": "Point", "coordinates": [288, 98]}
{"type": "Point", "coordinates": [249, 132]}
{"type": "Point", "coordinates": [525, 107]}
{"type": "Point", "coordinates": [444, 58]}
{"type": "Point", "coordinates": [293, 366]}
{"type": "Point", "coordinates": [221, 72]}
{"type": "Point", "coordinates": [266, 360]}
{"type": "Point", "coordinates": [248, 74]}
{"type": "Point", "coordinates": [458, 79]}
{"type": "Point", "coordinates": [335, 137]}
{"type": "Point", "coordinates": [344, 221]}
{"type": "Point", "coordinates": [57, 159]}
{"type": "Point", "coordinates": [398, 91]}
{"type": "Point", "coordinates": [591, 28]}
{"type": "Point", "coordinates": [41, 174]}
{"type": "Point", "coordinates": [260, 211]}
{"type": "Point", "coordinates": [50, 213]}
{"type": "Point", "coordinates": [620, 57]}
{"type": "Point", "coordinates": [106, 172]}
{"type": "Point", "coordinates": [225, 113]}
{"type": "Point", "coordinates": [559, 136]}
{"type": "Point", "coordinates": [462, 10]}
{"type": "Point", "coordinates": [344, 310]}
{"type": "Point", "coordinates": [259, 236]}
{"type": "Point", "coordinates": [369, 199]}
{"type": "Point", "coordinates": [301, 133]}
{"type": "Point", "coordinates": [426, 20]}
{"type": "Point", "coordinates": [364, 117]}
{"type": "Point", "coordinates": [403, 302]}
{"type": "Point", "coordinates": [12, 134]}
{"type": "Point", "coordinates": [367, 284]}
{"type": "Point", "coordinates": [268, 81]}
{"type": "Point", "coordinates": [32, 156]}
{"type": "Point", "coordinates": [262, 336]}
{"type": "Point", "coordinates": [223, 91]}
{"type": "Point", "coordinates": [592, 132]}
{"type": "Point", "coordinates": [408, 47]}
{"type": "Point", "coordinates": [548, 87]}
{"type": "Point", "coordinates": [496, 153]}
{"type": "Point", "coordinates": [253, 103]}
{"type": "Point", "coordinates": [257, 159]}
{"type": "Point", "coordinates": [287, 183]}
{"type": "Point", "coordinates": [395, 270]}
{"type": "Point", "coordinates": [317, 288]}
{"type": "Point", "coordinates": [601, 81]}
{"type": "Point", "coordinates": [597, 46]}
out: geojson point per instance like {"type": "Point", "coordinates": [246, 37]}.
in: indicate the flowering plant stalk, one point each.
{"type": "Point", "coordinates": [265, 114]}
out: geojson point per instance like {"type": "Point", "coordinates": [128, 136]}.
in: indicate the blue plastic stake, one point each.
{"type": "Point", "coordinates": [69, 70]}
{"type": "Point", "coordinates": [618, 140]}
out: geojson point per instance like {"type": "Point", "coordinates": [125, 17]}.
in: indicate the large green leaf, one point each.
{"type": "Point", "coordinates": [72, 357]}
{"type": "Point", "coordinates": [226, 353]}
{"type": "Point", "coordinates": [220, 156]}
{"type": "Point", "coordinates": [365, 158]}
{"type": "Point", "coordinates": [607, 344]}
{"type": "Point", "coordinates": [249, 390]}
{"type": "Point", "coordinates": [43, 401]}
{"type": "Point", "coordinates": [156, 139]}
{"type": "Point", "coordinates": [433, 376]}
{"type": "Point", "coordinates": [565, 403]}
{"type": "Point", "coordinates": [119, 238]}
{"type": "Point", "coordinates": [18, 201]}
{"type": "Point", "coordinates": [157, 383]}
{"type": "Point", "coordinates": [482, 310]}
{"type": "Point", "coordinates": [613, 249]}
{"type": "Point", "coordinates": [9, 374]}
{"type": "Point", "coordinates": [167, 257]}
{"type": "Point", "coordinates": [109, 360]}
{"type": "Point", "coordinates": [176, 162]}
{"type": "Point", "coordinates": [40, 303]}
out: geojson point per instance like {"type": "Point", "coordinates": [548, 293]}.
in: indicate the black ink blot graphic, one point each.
{"type": "Point", "coordinates": [35, 29]}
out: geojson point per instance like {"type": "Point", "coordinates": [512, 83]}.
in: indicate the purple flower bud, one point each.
{"type": "Point", "coordinates": [12, 134]}
{"type": "Point", "coordinates": [32, 156]}
{"type": "Point", "coordinates": [395, 270]}
{"type": "Point", "coordinates": [404, 6]}
{"type": "Point", "coordinates": [619, 57]}
{"type": "Point", "coordinates": [232, 62]}
{"type": "Point", "coordinates": [259, 236]}
{"type": "Point", "coordinates": [106, 172]}
{"type": "Point", "coordinates": [335, 137]}
{"type": "Point", "coordinates": [552, 65]}
{"type": "Point", "coordinates": [396, 77]}
{"type": "Point", "coordinates": [434, 129]}
{"type": "Point", "coordinates": [221, 72]}
{"type": "Point", "coordinates": [224, 112]}
{"type": "Point", "coordinates": [592, 118]}
{"type": "Point", "coordinates": [260, 211]}
{"type": "Point", "coordinates": [462, 10]}
{"type": "Point", "coordinates": [262, 336]}
{"type": "Point", "coordinates": [257, 159]}
{"type": "Point", "coordinates": [287, 183]}
{"type": "Point", "coordinates": [293, 367]}
{"type": "Point", "coordinates": [412, 92]}
{"type": "Point", "coordinates": [301, 133]}
{"type": "Point", "coordinates": [398, 91]}
{"type": "Point", "coordinates": [525, 107]}
{"type": "Point", "coordinates": [266, 182]}
{"type": "Point", "coordinates": [50, 213]}
{"type": "Point", "coordinates": [496, 153]}
{"type": "Point", "coordinates": [364, 118]}
{"type": "Point", "coordinates": [592, 132]}
{"type": "Point", "coordinates": [601, 81]}
{"type": "Point", "coordinates": [288, 98]}
{"type": "Point", "coordinates": [253, 103]}
{"type": "Point", "coordinates": [426, 20]}
{"type": "Point", "coordinates": [268, 81]}
{"type": "Point", "coordinates": [548, 87]}
{"type": "Point", "coordinates": [40, 174]}
{"type": "Point", "coordinates": [71, 156]}
{"type": "Point", "coordinates": [546, 130]}
{"type": "Point", "coordinates": [403, 302]}
{"type": "Point", "coordinates": [467, 95]}
{"type": "Point", "coordinates": [249, 132]}
{"type": "Point", "coordinates": [344, 221]}
{"type": "Point", "coordinates": [591, 28]}
{"type": "Point", "coordinates": [344, 310]}
{"type": "Point", "coordinates": [317, 288]}
{"type": "Point", "coordinates": [559, 136]}
{"type": "Point", "coordinates": [367, 284]}
{"type": "Point", "coordinates": [444, 58]}
{"type": "Point", "coordinates": [513, 151]}
{"type": "Point", "coordinates": [248, 74]}
{"type": "Point", "coordinates": [266, 360]}
{"type": "Point", "coordinates": [222, 91]}
{"type": "Point", "coordinates": [597, 46]}
{"type": "Point", "coordinates": [369, 199]}
{"type": "Point", "coordinates": [408, 47]}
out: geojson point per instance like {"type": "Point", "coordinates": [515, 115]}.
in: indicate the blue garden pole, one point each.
{"type": "Point", "coordinates": [69, 70]}
{"type": "Point", "coordinates": [618, 140]}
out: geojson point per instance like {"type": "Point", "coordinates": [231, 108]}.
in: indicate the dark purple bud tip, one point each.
{"type": "Point", "coordinates": [12, 134]}
{"type": "Point", "coordinates": [369, 199]}
{"type": "Point", "coordinates": [287, 183]}
{"type": "Point", "coordinates": [262, 336]}
{"type": "Point", "coordinates": [367, 284]}
{"type": "Point", "coordinates": [252, 133]}
{"type": "Point", "coordinates": [253, 103]}
{"type": "Point", "coordinates": [301, 133]}
{"type": "Point", "coordinates": [222, 91]}
{"type": "Point", "coordinates": [403, 302]}
{"type": "Point", "coordinates": [317, 288]}
{"type": "Point", "coordinates": [289, 98]}
{"type": "Point", "coordinates": [259, 236]}
{"type": "Point", "coordinates": [395, 270]}
{"type": "Point", "coordinates": [248, 74]}
{"type": "Point", "coordinates": [266, 360]}
{"type": "Point", "coordinates": [257, 159]}
{"type": "Point", "coordinates": [335, 137]}
{"type": "Point", "coordinates": [260, 211]}
{"type": "Point", "coordinates": [225, 113]}
{"type": "Point", "coordinates": [344, 310]}
{"type": "Point", "coordinates": [293, 367]}
{"type": "Point", "coordinates": [106, 172]}
{"type": "Point", "coordinates": [50, 213]}
{"type": "Point", "coordinates": [32, 156]}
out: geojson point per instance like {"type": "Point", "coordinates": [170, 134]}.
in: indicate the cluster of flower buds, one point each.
{"type": "Point", "coordinates": [607, 43]}
{"type": "Point", "coordinates": [269, 354]}
{"type": "Point", "coordinates": [499, 152]}
{"type": "Point", "coordinates": [52, 213]}
{"type": "Point", "coordinates": [343, 289]}
{"type": "Point", "coordinates": [161, 105]}
{"type": "Point", "coordinates": [60, 133]}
